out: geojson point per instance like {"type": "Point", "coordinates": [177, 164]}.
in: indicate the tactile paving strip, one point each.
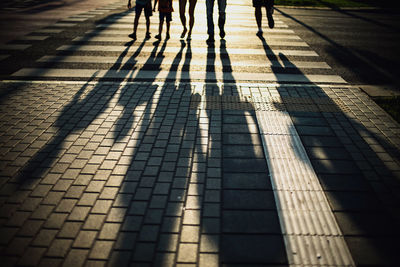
{"type": "Point", "coordinates": [311, 233]}
{"type": "Point", "coordinates": [304, 104]}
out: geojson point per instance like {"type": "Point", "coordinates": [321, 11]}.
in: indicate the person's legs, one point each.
{"type": "Point", "coordinates": [257, 4]}
{"type": "Point", "coordinates": [168, 26]}
{"type": "Point", "coordinates": [138, 11]}
{"type": "Point", "coordinates": [147, 27]}
{"type": "Point", "coordinates": [182, 8]}
{"type": "Point", "coordinates": [158, 36]}
{"type": "Point", "coordinates": [168, 19]}
{"type": "Point", "coordinates": [257, 13]}
{"type": "Point", "coordinates": [192, 6]}
{"type": "Point", "coordinates": [210, 21]}
{"type": "Point", "coordinates": [270, 10]}
{"type": "Point", "coordinates": [148, 11]}
{"type": "Point", "coordinates": [221, 17]}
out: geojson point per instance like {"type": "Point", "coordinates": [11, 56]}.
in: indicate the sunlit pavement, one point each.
{"type": "Point", "coordinates": [251, 151]}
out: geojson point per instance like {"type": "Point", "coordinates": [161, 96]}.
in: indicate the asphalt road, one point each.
{"type": "Point", "coordinates": [362, 46]}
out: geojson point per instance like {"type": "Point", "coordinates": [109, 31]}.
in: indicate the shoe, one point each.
{"type": "Point", "coordinates": [148, 36]}
{"type": "Point", "coordinates": [259, 33]}
{"type": "Point", "coordinates": [222, 33]}
{"type": "Point", "coordinates": [158, 36]}
{"type": "Point", "coordinates": [133, 36]}
{"type": "Point", "coordinates": [271, 22]}
{"type": "Point", "coordinates": [167, 36]}
{"type": "Point", "coordinates": [210, 39]}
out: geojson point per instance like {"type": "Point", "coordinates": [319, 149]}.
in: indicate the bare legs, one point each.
{"type": "Point", "coordinates": [136, 23]}
{"type": "Point", "coordinates": [158, 36]}
{"type": "Point", "coordinates": [182, 9]}
{"type": "Point", "coordinates": [192, 5]}
{"type": "Point", "coordinates": [258, 15]}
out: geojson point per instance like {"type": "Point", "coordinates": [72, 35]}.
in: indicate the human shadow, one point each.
{"type": "Point", "coordinates": [186, 191]}
{"type": "Point", "coordinates": [77, 115]}
{"type": "Point", "coordinates": [366, 19]}
{"type": "Point", "coordinates": [348, 56]}
{"type": "Point", "coordinates": [360, 184]}
{"type": "Point", "coordinates": [43, 66]}
{"type": "Point", "coordinates": [125, 122]}
{"type": "Point", "coordinates": [239, 221]}
{"type": "Point", "coordinates": [150, 229]}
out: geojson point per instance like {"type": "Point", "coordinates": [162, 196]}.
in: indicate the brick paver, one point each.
{"type": "Point", "coordinates": [177, 182]}
{"type": "Point", "coordinates": [174, 171]}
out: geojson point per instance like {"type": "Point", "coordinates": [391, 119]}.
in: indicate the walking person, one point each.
{"type": "Point", "coordinates": [269, 7]}
{"type": "Point", "coordinates": [165, 9]}
{"type": "Point", "coordinates": [182, 9]}
{"type": "Point", "coordinates": [141, 5]}
{"type": "Point", "coordinates": [210, 20]}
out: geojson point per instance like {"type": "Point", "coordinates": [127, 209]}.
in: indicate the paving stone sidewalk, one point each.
{"type": "Point", "coordinates": [169, 174]}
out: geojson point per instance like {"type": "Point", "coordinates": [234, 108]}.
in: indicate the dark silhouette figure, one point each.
{"type": "Point", "coordinates": [361, 191]}
{"type": "Point", "coordinates": [140, 6]}
{"type": "Point", "coordinates": [182, 10]}
{"type": "Point", "coordinates": [269, 7]}
{"type": "Point", "coordinates": [210, 20]}
{"type": "Point", "coordinates": [165, 8]}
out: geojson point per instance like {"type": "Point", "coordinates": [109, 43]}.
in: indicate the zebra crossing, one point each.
{"type": "Point", "coordinates": [106, 52]}
{"type": "Point", "coordinates": [279, 57]}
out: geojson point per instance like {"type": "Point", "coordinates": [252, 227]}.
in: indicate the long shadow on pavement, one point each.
{"type": "Point", "coordinates": [348, 57]}
{"type": "Point", "coordinates": [196, 187]}
{"type": "Point", "coordinates": [75, 117]}
{"type": "Point", "coordinates": [360, 187]}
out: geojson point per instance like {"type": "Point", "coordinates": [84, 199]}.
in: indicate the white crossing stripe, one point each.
{"type": "Point", "coordinates": [63, 24]}
{"type": "Point", "coordinates": [195, 50]}
{"type": "Point", "coordinates": [236, 23]}
{"type": "Point", "coordinates": [75, 19]}
{"type": "Point", "coordinates": [193, 62]}
{"type": "Point", "coordinates": [182, 75]}
{"type": "Point", "coordinates": [123, 26]}
{"type": "Point", "coordinates": [195, 36]}
{"type": "Point", "coordinates": [33, 37]}
{"type": "Point", "coordinates": [311, 233]}
{"type": "Point", "coordinates": [176, 37]}
{"type": "Point", "coordinates": [49, 31]}
{"type": "Point", "coordinates": [14, 46]}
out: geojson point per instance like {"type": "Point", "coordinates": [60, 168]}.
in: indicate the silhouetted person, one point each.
{"type": "Point", "coordinates": [141, 5]}
{"type": "Point", "coordinates": [269, 6]}
{"type": "Point", "coordinates": [210, 20]}
{"type": "Point", "coordinates": [165, 9]}
{"type": "Point", "coordinates": [182, 8]}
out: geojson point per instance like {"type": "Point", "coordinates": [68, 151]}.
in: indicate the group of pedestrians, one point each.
{"type": "Point", "coordinates": [165, 13]}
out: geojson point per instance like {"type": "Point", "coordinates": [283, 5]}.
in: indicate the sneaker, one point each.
{"type": "Point", "coordinates": [158, 36]}
{"type": "Point", "coordinates": [148, 36]}
{"type": "Point", "coordinates": [259, 33]}
{"type": "Point", "coordinates": [271, 22]}
{"type": "Point", "coordinates": [210, 39]}
{"type": "Point", "coordinates": [133, 36]}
